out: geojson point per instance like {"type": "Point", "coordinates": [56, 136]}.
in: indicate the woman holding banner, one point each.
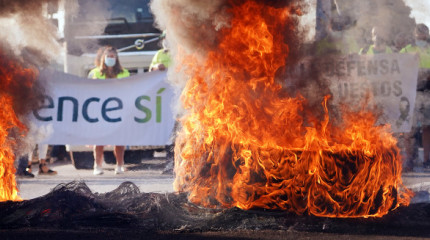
{"type": "Point", "coordinates": [108, 66]}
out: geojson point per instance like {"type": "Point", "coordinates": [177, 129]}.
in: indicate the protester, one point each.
{"type": "Point", "coordinates": [161, 60]}
{"type": "Point", "coordinates": [97, 62]}
{"type": "Point", "coordinates": [336, 40]}
{"type": "Point", "coordinates": [421, 47]}
{"type": "Point", "coordinates": [108, 66]}
{"type": "Point", "coordinates": [401, 40]}
{"type": "Point", "coordinates": [379, 43]}
{"type": "Point", "coordinates": [24, 167]}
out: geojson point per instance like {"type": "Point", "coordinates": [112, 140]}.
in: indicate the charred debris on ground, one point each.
{"type": "Point", "coordinates": [73, 206]}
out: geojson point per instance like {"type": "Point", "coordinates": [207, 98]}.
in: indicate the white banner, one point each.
{"type": "Point", "coordinates": [131, 111]}
{"type": "Point", "coordinates": [389, 80]}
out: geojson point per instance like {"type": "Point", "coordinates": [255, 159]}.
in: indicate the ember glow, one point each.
{"type": "Point", "coordinates": [246, 143]}
{"type": "Point", "coordinates": [14, 80]}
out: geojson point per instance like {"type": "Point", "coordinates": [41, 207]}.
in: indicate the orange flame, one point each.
{"type": "Point", "coordinates": [245, 143]}
{"type": "Point", "coordinates": [10, 72]}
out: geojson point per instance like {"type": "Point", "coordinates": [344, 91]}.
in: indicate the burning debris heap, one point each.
{"type": "Point", "coordinates": [27, 42]}
{"type": "Point", "coordinates": [19, 94]}
{"type": "Point", "coordinates": [247, 142]}
{"type": "Point", "coordinates": [73, 206]}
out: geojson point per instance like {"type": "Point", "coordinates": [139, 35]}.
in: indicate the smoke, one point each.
{"type": "Point", "coordinates": [237, 115]}
{"type": "Point", "coordinates": [393, 16]}
{"type": "Point", "coordinates": [29, 42]}
{"type": "Point", "coordinates": [25, 27]}
{"type": "Point", "coordinates": [191, 23]}
{"type": "Point", "coordinates": [193, 27]}
{"type": "Point", "coordinates": [90, 18]}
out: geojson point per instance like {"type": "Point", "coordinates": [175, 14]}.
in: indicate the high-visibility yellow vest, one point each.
{"type": "Point", "coordinates": [424, 54]}
{"type": "Point", "coordinates": [372, 51]}
{"type": "Point", "coordinates": [162, 56]}
{"type": "Point", "coordinates": [96, 73]}
{"type": "Point", "coordinates": [345, 46]}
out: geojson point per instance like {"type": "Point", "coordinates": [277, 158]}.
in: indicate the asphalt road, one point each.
{"type": "Point", "coordinates": [147, 175]}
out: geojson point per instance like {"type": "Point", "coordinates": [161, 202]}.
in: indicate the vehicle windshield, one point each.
{"type": "Point", "coordinates": [125, 10]}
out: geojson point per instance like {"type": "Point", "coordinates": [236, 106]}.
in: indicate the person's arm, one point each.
{"type": "Point", "coordinates": [154, 61]}
{"type": "Point", "coordinates": [92, 74]}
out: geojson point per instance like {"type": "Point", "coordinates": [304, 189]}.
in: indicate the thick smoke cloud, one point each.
{"type": "Point", "coordinates": [28, 43]}
{"type": "Point", "coordinates": [25, 27]}
{"type": "Point", "coordinates": [391, 15]}
{"type": "Point", "coordinates": [193, 27]}
{"type": "Point", "coordinates": [191, 23]}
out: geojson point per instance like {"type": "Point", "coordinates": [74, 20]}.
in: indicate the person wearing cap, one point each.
{"type": "Point", "coordinates": [421, 47]}
{"type": "Point", "coordinates": [161, 60]}
{"type": "Point", "coordinates": [379, 43]}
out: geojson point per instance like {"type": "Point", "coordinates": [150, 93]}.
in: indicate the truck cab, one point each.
{"type": "Point", "coordinates": [85, 26]}
{"type": "Point", "coordinates": [126, 25]}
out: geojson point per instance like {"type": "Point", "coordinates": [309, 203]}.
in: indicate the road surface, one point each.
{"type": "Point", "coordinates": [147, 176]}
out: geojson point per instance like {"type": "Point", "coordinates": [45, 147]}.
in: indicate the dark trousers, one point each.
{"type": "Point", "coordinates": [22, 164]}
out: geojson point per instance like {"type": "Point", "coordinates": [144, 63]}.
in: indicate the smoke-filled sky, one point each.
{"type": "Point", "coordinates": [420, 10]}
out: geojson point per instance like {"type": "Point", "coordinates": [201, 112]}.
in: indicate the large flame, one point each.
{"type": "Point", "coordinates": [12, 75]}
{"type": "Point", "coordinates": [246, 143]}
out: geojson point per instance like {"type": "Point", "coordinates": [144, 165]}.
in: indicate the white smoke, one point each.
{"type": "Point", "coordinates": [24, 25]}
{"type": "Point", "coordinates": [190, 23]}
{"type": "Point", "coordinates": [191, 27]}
{"type": "Point", "coordinates": [29, 39]}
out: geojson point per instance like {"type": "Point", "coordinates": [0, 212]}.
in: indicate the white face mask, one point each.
{"type": "Point", "coordinates": [110, 62]}
{"type": "Point", "coordinates": [421, 43]}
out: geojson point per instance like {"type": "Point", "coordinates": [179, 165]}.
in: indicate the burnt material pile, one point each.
{"type": "Point", "coordinates": [248, 137]}
{"type": "Point", "coordinates": [73, 206]}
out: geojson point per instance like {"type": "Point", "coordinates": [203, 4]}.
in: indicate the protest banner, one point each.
{"type": "Point", "coordinates": [390, 80]}
{"type": "Point", "coordinates": [129, 111]}
{"type": "Point", "coordinates": [386, 83]}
